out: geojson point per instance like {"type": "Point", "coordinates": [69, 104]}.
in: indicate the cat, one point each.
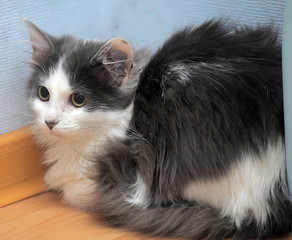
{"type": "Point", "coordinates": [184, 142]}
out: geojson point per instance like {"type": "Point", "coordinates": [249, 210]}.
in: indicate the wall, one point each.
{"type": "Point", "coordinates": [140, 22]}
{"type": "Point", "coordinates": [287, 85]}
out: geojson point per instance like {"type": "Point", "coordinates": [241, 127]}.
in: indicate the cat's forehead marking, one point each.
{"type": "Point", "coordinates": [58, 81]}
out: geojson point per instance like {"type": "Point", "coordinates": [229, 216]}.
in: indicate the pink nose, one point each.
{"type": "Point", "coordinates": [51, 124]}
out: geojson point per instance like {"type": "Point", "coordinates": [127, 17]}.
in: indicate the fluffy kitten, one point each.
{"type": "Point", "coordinates": [194, 150]}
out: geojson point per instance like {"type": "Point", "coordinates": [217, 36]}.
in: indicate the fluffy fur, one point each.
{"type": "Point", "coordinates": [194, 150]}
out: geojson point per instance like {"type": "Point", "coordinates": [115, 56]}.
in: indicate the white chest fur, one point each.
{"type": "Point", "coordinates": [68, 173]}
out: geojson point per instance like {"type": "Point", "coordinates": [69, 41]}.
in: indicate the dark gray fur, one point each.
{"type": "Point", "coordinates": [232, 104]}
{"type": "Point", "coordinates": [191, 130]}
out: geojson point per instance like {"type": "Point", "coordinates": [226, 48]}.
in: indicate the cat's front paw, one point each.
{"type": "Point", "coordinates": [80, 193]}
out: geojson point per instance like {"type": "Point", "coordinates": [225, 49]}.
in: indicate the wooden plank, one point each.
{"type": "Point", "coordinates": [21, 169]}
{"type": "Point", "coordinates": [46, 217]}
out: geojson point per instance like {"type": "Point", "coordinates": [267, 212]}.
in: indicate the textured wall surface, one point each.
{"type": "Point", "coordinates": [287, 85]}
{"type": "Point", "coordinates": [140, 22]}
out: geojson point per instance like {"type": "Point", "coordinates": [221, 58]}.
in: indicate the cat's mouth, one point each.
{"type": "Point", "coordinates": [54, 132]}
{"type": "Point", "coordinates": [59, 134]}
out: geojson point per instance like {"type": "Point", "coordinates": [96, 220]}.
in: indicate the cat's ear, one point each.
{"type": "Point", "coordinates": [41, 42]}
{"type": "Point", "coordinates": [116, 59]}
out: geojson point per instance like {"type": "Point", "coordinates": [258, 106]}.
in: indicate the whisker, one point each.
{"type": "Point", "coordinates": [138, 135]}
{"type": "Point", "coordinates": [120, 61]}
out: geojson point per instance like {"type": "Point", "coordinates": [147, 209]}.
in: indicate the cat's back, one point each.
{"type": "Point", "coordinates": [215, 67]}
{"type": "Point", "coordinates": [211, 93]}
{"type": "Point", "coordinates": [217, 39]}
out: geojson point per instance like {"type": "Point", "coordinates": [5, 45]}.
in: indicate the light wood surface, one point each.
{"type": "Point", "coordinates": [46, 217]}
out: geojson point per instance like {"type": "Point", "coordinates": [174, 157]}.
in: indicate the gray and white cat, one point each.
{"type": "Point", "coordinates": [188, 143]}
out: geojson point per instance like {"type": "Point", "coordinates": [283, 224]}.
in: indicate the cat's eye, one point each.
{"type": "Point", "coordinates": [43, 93]}
{"type": "Point", "coordinates": [78, 99]}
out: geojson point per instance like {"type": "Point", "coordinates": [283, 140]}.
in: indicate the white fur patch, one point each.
{"type": "Point", "coordinates": [182, 72]}
{"type": "Point", "coordinates": [246, 187]}
{"type": "Point", "coordinates": [139, 195]}
{"type": "Point", "coordinates": [68, 173]}
{"type": "Point", "coordinates": [74, 143]}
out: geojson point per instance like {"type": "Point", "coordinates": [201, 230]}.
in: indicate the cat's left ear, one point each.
{"type": "Point", "coordinates": [116, 58]}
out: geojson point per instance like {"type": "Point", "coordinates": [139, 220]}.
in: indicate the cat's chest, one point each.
{"type": "Point", "coordinates": [68, 173]}
{"type": "Point", "coordinates": [66, 164]}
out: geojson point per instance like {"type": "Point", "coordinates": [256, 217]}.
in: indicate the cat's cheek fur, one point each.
{"type": "Point", "coordinates": [65, 127]}
{"type": "Point", "coordinates": [39, 127]}
{"type": "Point", "coordinates": [248, 185]}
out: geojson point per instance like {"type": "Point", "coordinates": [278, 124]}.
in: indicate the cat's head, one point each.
{"type": "Point", "coordinates": [77, 86]}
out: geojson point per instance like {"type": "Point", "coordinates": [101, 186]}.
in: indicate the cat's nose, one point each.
{"type": "Point", "coordinates": [51, 124]}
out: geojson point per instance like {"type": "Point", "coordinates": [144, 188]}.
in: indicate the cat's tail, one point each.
{"type": "Point", "coordinates": [117, 172]}
{"type": "Point", "coordinates": [188, 220]}
{"type": "Point", "coordinates": [193, 221]}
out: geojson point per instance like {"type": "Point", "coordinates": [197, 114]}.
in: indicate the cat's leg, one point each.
{"type": "Point", "coordinates": [78, 191]}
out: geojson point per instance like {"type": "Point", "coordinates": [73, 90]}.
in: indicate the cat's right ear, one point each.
{"type": "Point", "coordinates": [41, 42]}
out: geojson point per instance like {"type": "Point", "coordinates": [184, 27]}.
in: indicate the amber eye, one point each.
{"type": "Point", "coordinates": [78, 99]}
{"type": "Point", "coordinates": [43, 93]}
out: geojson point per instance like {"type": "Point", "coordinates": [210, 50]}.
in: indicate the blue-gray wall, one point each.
{"type": "Point", "coordinates": [287, 84]}
{"type": "Point", "coordinates": [140, 22]}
